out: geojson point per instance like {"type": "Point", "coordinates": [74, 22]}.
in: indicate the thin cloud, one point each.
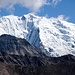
{"type": "Point", "coordinates": [55, 2]}
{"type": "Point", "coordinates": [62, 17]}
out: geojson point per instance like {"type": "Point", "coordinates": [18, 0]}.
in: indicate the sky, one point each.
{"type": "Point", "coordinates": [50, 8]}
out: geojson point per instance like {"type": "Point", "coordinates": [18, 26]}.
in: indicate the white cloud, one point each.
{"type": "Point", "coordinates": [62, 17]}
{"type": "Point", "coordinates": [33, 5]}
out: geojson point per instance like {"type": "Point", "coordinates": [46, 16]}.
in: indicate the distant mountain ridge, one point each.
{"type": "Point", "coordinates": [55, 37]}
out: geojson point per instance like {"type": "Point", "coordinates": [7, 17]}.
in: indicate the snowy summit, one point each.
{"type": "Point", "coordinates": [55, 37]}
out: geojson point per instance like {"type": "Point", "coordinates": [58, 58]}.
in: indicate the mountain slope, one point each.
{"type": "Point", "coordinates": [66, 68]}
{"type": "Point", "coordinates": [18, 57]}
{"type": "Point", "coordinates": [18, 51]}
{"type": "Point", "coordinates": [17, 46]}
{"type": "Point", "coordinates": [55, 37]}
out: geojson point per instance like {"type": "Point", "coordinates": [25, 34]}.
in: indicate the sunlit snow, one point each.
{"type": "Point", "coordinates": [55, 36]}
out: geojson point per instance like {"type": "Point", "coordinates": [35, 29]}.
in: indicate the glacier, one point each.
{"type": "Point", "coordinates": [55, 37]}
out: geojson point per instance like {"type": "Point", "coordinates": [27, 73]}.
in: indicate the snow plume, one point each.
{"type": "Point", "coordinates": [32, 5]}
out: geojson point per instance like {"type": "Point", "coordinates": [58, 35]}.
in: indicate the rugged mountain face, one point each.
{"type": "Point", "coordinates": [55, 37]}
{"type": "Point", "coordinates": [17, 46]}
{"type": "Point", "coordinates": [19, 51]}
{"type": "Point", "coordinates": [18, 57]}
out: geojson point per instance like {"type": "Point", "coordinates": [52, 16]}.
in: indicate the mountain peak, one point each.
{"type": "Point", "coordinates": [32, 15]}
{"type": "Point", "coordinates": [55, 37]}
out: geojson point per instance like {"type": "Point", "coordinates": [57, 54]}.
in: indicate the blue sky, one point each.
{"type": "Point", "coordinates": [42, 8]}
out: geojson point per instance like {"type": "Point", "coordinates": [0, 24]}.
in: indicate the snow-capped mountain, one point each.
{"type": "Point", "coordinates": [55, 37]}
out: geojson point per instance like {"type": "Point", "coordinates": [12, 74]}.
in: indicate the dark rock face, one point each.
{"type": "Point", "coordinates": [65, 58]}
{"type": "Point", "coordinates": [18, 57]}
{"type": "Point", "coordinates": [17, 46]}
{"type": "Point", "coordinates": [18, 51]}
{"type": "Point", "coordinates": [23, 60]}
